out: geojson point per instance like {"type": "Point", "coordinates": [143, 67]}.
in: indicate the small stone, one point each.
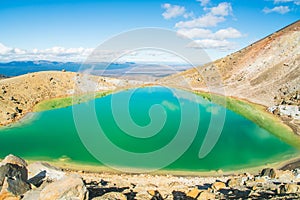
{"type": "Point", "coordinates": [254, 187]}
{"type": "Point", "coordinates": [205, 195]}
{"type": "Point", "coordinates": [151, 192]}
{"type": "Point", "coordinates": [260, 180]}
{"type": "Point", "coordinates": [269, 172]}
{"type": "Point", "coordinates": [18, 110]}
{"type": "Point", "coordinates": [289, 188]}
{"type": "Point", "coordinates": [193, 193]}
{"type": "Point", "coordinates": [218, 185]}
{"type": "Point", "coordinates": [111, 196]}
{"type": "Point", "coordinates": [233, 182]}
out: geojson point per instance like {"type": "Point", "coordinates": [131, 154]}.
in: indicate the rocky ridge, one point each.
{"type": "Point", "coordinates": [266, 72]}
{"type": "Point", "coordinates": [41, 181]}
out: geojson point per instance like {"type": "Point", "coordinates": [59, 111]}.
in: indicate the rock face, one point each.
{"type": "Point", "coordinates": [13, 177]}
{"type": "Point", "coordinates": [67, 188]}
{"type": "Point", "coordinates": [12, 171]}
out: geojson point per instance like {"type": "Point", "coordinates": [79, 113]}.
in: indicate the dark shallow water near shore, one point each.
{"type": "Point", "coordinates": [52, 135]}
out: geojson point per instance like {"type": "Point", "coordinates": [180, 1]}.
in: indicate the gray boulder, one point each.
{"type": "Point", "coordinates": [16, 187]}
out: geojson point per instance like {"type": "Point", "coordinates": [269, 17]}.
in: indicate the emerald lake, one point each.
{"type": "Point", "coordinates": [63, 134]}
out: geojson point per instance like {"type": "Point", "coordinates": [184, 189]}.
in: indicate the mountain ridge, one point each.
{"type": "Point", "coordinates": [247, 69]}
{"type": "Point", "coordinates": [266, 72]}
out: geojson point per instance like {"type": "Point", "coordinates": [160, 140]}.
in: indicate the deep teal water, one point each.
{"type": "Point", "coordinates": [52, 134]}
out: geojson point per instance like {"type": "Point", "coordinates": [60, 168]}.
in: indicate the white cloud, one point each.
{"type": "Point", "coordinates": [62, 54]}
{"type": "Point", "coordinates": [208, 34]}
{"type": "Point", "coordinates": [212, 18]}
{"type": "Point", "coordinates": [54, 54]}
{"type": "Point", "coordinates": [188, 15]}
{"type": "Point", "coordinates": [172, 11]}
{"type": "Point", "coordinates": [297, 2]}
{"type": "Point", "coordinates": [223, 9]}
{"type": "Point", "coordinates": [195, 33]}
{"type": "Point", "coordinates": [222, 45]}
{"type": "Point", "coordinates": [207, 20]}
{"type": "Point", "coordinates": [203, 2]}
{"type": "Point", "coordinates": [227, 33]}
{"type": "Point", "coordinates": [205, 38]}
{"type": "Point", "coordinates": [278, 9]}
{"type": "Point", "coordinates": [4, 49]}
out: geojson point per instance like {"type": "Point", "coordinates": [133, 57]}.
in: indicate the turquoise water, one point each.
{"type": "Point", "coordinates": [54, 134]}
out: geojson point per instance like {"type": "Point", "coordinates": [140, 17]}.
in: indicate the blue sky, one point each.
{"type": "Point", "coordinates": [78, 26]}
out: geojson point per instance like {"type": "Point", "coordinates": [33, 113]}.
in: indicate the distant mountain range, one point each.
{"type": "Point", "coordinates": [127, 69]}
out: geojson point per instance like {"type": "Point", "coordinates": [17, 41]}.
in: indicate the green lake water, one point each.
{"type": "Point", "coordinates": [52, 135]}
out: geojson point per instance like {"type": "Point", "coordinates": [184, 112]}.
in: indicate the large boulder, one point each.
{"type": "Point", "coordinates": [13, 177]}
{"type": "Point", "coordinates": [13, 188]}
{"type": "Point", "coordinates": [12, 171]}
{"type": "Point", "coordinates": [13, 167]}
{"type": "Point", "coordinates": [69, 187]}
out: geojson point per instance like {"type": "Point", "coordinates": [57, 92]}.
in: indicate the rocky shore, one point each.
{"type": "Point", "coordinates": [41, 181]}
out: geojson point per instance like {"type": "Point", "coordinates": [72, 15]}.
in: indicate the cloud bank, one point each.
{"type": "Point", "coordinates": [200, 27]}
{"type": "Point", "coordinates": [54, 54]}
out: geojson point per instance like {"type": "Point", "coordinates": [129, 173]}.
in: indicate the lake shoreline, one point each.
{"type": "Point", "coordinates": [93, 168]}
{"type": "Point", "coordinates": [62, 98]}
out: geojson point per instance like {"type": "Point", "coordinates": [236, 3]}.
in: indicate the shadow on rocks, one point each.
{"type": "Point", "coordinates": [95, 190]}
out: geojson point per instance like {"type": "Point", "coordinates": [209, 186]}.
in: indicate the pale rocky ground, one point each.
{"type": "Point", "coordinates": [266, 72]}
{"type": "Point", "coordinates": [41, 181]}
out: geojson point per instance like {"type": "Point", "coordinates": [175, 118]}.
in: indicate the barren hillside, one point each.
{"type": "Point", "coordinates": [266, 72]}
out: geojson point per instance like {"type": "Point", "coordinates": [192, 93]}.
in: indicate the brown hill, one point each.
{"type": "Point", "coordinates": [18, 95]}
{"type": "Point", "coordinates": [267, 72]}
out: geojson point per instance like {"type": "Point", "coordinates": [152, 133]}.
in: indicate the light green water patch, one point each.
{"type": "Point", "coordinates": [63, 102]}
{"type": "Point", "coordinates": [257, 114]}
{"type": "Point", "coordinates": [53, 134]}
